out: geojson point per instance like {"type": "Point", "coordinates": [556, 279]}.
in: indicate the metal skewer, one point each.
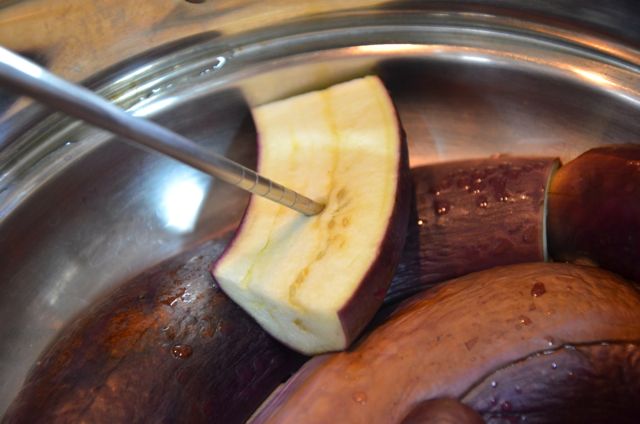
{"type": "Point", "coordinates": [25, 77]}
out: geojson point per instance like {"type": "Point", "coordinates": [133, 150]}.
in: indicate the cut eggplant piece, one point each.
{"type": "Point", "coordinates": [167, 346]}
{"type": "Point", "coordinates": [446, 340]}
{"type": "Point", "coordinates": [473, 215]}
{"type": "Point", "coordinates": [315, 282]}
{"type": "Point", "coordinates": [594, 210]}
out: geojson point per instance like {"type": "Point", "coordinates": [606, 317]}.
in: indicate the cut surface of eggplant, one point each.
{"type": "Point", "coordinates": [315, 282]}
{"type": "Point", "coordinates": [446, 340]}
{"type": "Point", "coordinates": [167, 346]}
{"type": "Point", "coordinates": [594, 209]}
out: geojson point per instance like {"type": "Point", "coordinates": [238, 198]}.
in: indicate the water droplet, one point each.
{"type": "Point", "coordinates": [188, 297]}
{"type": "Point", "coordinates": [549, 341]}
{"type": "Point", "coordinates": [181, 351]}
{"type": "Point", "coordinates": [506, 406]}
{"type": "Point", "coordinates": [463, 182]}
{"type": "Point", "coordinates": [420, 223]}
{"type": "Point", "coordinates": [172, 299]}
{"type": "Point", "coordinates": [145, 96]}
{"type": "Point", "coordinates": [360, 397]}
{"type": "Point", "coordinates": [441, 207]}
{"type": "Point", "coordinates": [494, 384]}
{"type": "Point", "coordinates": [538, 289]}
{"type": "Point", "coordinates": [554, 365]}
{"type": "Point", "coordinates": [482, 202]}
{"type": "Point", "coordinates": [524, 320]}
{"type": "Point", "coordinates": [221, 62]}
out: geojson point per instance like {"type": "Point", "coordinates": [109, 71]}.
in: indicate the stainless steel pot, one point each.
{"type": "Point", "coordinates": [80, 211]}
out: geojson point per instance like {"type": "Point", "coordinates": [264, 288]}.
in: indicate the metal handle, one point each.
{"type": "Point", "coordinates": [25, 77]}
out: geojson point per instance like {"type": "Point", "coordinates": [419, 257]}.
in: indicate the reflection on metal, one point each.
{"type": "Point", "coordinates": [181, 203]}
{"type": "Point", "coordinates": [20, 63]}
{"type": "Point", "coordinates": [61, 283]}
{"type": "Point", "coordinates": [391, 48]}
{"type": "Point", "coordinates": [477, 59]}
{"type": "Point", "coordinates": [593, 76]}
{"type": "Point", "coordinates": [153, 107]}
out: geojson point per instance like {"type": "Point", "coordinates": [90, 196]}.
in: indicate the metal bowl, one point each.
{"type": "Point", "coordinates": [81, 211]}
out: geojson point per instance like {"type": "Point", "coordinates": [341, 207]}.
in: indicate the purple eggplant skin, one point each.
{"type": "Point", "coordinates": [588, 383]}
{"type": "Point", "coordinates": [472, 215]}
{"type": "Point", "coordinates": [594, 209]}
{"type": "Point", "coordinates": [167, 346]}
{"type": "Point", "coordinates": [442, 411]}
{"type": "Point", "coordinates": [449, 339]}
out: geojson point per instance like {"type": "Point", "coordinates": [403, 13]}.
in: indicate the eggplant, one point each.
{"type": "Point", "coordinates": [167, 346]}
{"type": "Point", "coordinates": [159, 344]}
{"type": "Point", "coordinates": [315, 282]}
{"type": "Point", "coordinates": [447, 340]}
{"type": "Point", "coordinates": [594, 210]}
{"type": "Point", "coordinates": [472, 215]}
{"type": "Point", "coordinates": [442, 411]}
{"type": "Point", "coordinates": [593, 382]}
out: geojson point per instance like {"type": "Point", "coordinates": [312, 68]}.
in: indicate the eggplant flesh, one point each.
{"type": "Point", "coordinates": [315, 282]}
{"type": "Point", "coordinates": [167, 346]}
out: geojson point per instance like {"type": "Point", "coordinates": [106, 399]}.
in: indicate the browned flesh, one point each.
{"type": "Point", "coordinates": [594, 209]}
